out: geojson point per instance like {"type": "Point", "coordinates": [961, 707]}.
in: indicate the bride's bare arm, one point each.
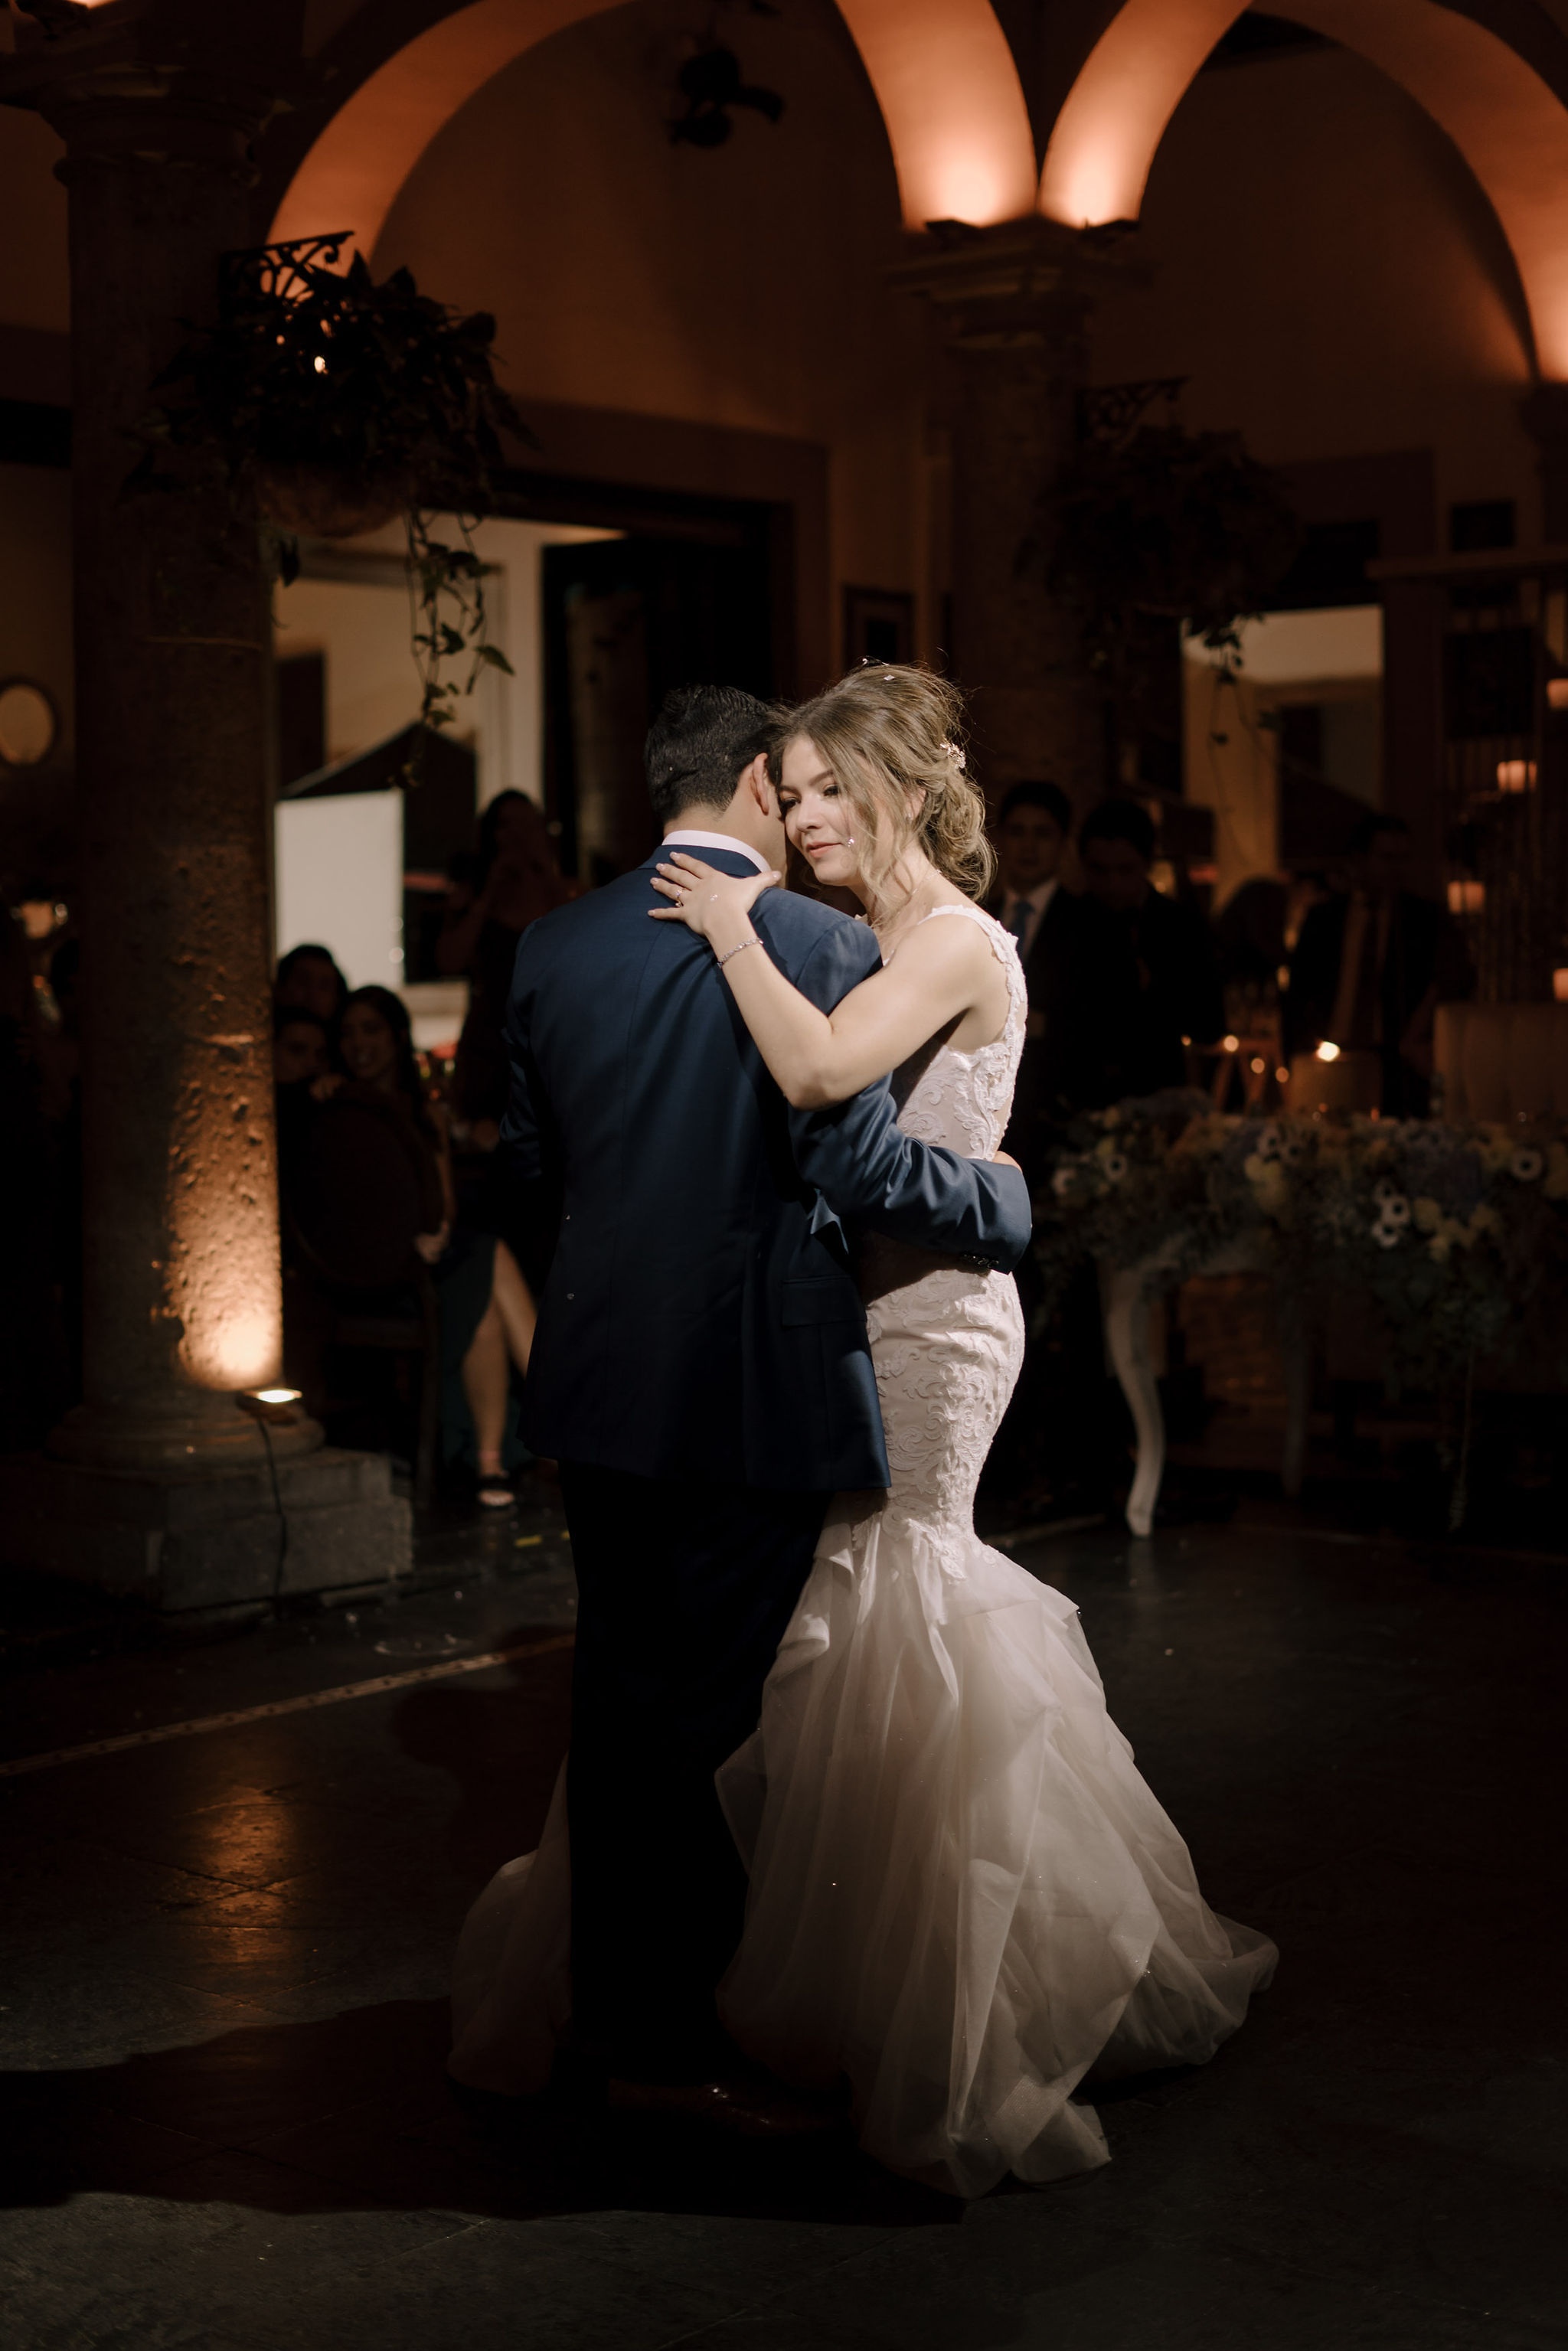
{"type": "Point", "coordinates": [818, 1058]}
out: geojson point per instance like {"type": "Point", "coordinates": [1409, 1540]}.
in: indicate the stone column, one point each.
{"type": "Point", "coordinates": [184, 1295]}
{"type": "Point", "coordinates": [1014, 305]}
{"type": "Point", "coordinates": [184, 1301]}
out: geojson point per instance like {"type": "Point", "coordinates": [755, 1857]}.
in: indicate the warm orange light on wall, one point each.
{"type": "Point", "coordinates": [237, 1342]}
{"type": "Point", "coordinates": [955, 111]}
{"type": "Point", "coordinates": [942, 70]}
{"type": "Point", "coordinates": [1509, 125]}
{"type": "Point", "coordinates": [1516, 774]}
{"type": "Point", "coordinates": [1107, 132]}
{"type": "Point", "coordinates": [1467, 897]}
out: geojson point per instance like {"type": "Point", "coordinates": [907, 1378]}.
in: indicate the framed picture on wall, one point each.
{"type": "Point", "coordinates": [879, 625]}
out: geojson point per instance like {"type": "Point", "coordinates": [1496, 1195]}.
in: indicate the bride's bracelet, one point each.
{"type": "Point", "coordinates": [741, 949]}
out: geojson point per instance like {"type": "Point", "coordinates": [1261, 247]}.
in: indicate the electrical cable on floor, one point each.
{"type": "Point", "coordinates": [282, 1519]}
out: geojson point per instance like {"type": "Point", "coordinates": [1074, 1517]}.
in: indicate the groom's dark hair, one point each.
{"type": "Point", "coordinates": [698, 745]}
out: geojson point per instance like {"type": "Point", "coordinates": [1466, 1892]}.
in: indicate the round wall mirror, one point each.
{"type": "Point", "coordinates": [28, 726]}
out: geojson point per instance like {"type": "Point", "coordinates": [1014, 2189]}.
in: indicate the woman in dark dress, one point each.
{"type": "Point", "coordinates": [516, 880]}
{"type": "Point", "coordinates": [486, 1308]}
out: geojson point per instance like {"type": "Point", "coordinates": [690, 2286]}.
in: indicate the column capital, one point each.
{"type": "Point", "coordinates": [153, 82]}
{"type": "Point", "coordinates": [1007, 284]}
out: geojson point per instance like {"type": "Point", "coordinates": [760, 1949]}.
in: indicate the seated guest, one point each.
{"type": "Point", "coordinates": [299, 1051]}
{"type": "Point", "coordinates": [1371, 967]}
{"type": "Point", "coordinates": [486, 1310]}
{"type": "Point", "coordinates": [1033, 829]}
{"type": "Point", "coordinates": [1146, 977]}
{"type": "Point", "coordinates": [309, 978]}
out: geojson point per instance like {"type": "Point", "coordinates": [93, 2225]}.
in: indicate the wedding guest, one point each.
{"type": "Point", "coordinates": [299, 1045]}
{"type": "Point", "coordinates": [1371, 967]}
{"type": "Point", "coordinates": [25, 1204]}
{"type": "Point", "coordinates": [1146, 976]}
{"type": "Point", "coordinates": [516, 879]}
{"type": "Point", "coordinates": [1033, 829]}
{"type": "Point", "coordinates": [61, 1066]}
{"type": "Point", "coordinates": [1259, 925]}
{"type": "Point", "coordinates": [487, 1309]}
{"type": "Point", "coordinates": [309, 978]}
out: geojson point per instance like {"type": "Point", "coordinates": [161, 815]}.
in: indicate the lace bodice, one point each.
{"type": "Point", "coordinates": [947, 1339]}
{"type": "Point", "coordinates": [964, 1099]}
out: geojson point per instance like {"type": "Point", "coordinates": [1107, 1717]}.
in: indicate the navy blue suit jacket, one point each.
{"type": "Point", "coordinates": [701, 1316]}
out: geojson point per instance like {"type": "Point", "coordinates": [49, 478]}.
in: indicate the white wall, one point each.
{"type": "Point", "coordinates": [339, 882]}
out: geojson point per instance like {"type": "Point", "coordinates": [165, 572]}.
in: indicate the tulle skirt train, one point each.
{"type": "Point", "coordinates": [964, 1897]}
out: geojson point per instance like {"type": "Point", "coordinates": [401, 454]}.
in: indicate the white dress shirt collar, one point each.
{"type": "Point", "coordinates": [689, 839]}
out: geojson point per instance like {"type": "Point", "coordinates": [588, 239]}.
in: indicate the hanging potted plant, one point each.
{"type": "Point", "coordinates": [332, 403]}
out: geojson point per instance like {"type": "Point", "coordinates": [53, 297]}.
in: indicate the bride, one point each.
{"type": "Point", "coordinates": [963, 1895]}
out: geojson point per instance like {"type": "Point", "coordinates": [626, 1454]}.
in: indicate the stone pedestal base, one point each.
{"type": "Point", "coordinates": [207, 1543]}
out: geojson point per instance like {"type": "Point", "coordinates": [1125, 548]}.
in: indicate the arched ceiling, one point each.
{"type": "Point", "coordinates": [1506, 122]}
{"type": "Point", "coordinates": [942, 70]}
{"type": "Point", "coordinates": [956, 121]}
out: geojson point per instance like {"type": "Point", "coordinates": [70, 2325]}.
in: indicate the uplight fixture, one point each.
{"type": "Point", "coordinates": [279, 1408]}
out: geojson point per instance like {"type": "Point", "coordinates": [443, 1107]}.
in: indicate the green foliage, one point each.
{"type": "Point", "coordinates": [309, 366]}
{"type": "Point", "coordinates": [445, 579]}
{"type": "Point", "coordinates": [309, 374]}
{"type": "Point", "coordinates": [1162, 521]}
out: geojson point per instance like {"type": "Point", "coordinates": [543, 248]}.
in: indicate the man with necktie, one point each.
{"type": "Point", "coordinates": [1031, 837]}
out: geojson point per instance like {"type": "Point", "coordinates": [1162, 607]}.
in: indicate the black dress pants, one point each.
{"type": "Point", "coordinates": [683, 1593]}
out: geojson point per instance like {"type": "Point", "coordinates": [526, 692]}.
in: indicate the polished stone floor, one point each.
{"type": "Point", "coordinates": [225, 2124]}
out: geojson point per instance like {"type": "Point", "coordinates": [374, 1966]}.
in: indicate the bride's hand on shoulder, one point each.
{"type": "Point", "coordinates": [716, 905]}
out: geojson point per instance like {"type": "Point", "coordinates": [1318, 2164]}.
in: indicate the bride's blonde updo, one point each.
{"type": "Point", "coordinates": [893, 737]}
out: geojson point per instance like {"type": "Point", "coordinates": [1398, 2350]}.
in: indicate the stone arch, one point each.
{"type": "Point", "coordinates": [942, 70]}
{"type": "Point", "coordinates": [1507, 122]}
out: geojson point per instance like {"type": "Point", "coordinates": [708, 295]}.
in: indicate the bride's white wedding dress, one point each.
{"type": "Point", "coordinates": [963, 1895]}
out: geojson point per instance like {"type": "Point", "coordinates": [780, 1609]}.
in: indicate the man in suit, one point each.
{"type": "Point", "coordinates": [701, 1368]}
{"type": "Point", "coordinates": [1370, 967]}
{"type": "Point", "coordinates": [1033, 829]}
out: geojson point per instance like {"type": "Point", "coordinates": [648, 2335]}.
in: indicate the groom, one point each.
{"type": "Point", "coordinates": [701, 1369]}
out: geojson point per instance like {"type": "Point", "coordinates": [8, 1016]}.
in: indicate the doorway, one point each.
{"type": "Point", "coordinates": [624, 620]}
